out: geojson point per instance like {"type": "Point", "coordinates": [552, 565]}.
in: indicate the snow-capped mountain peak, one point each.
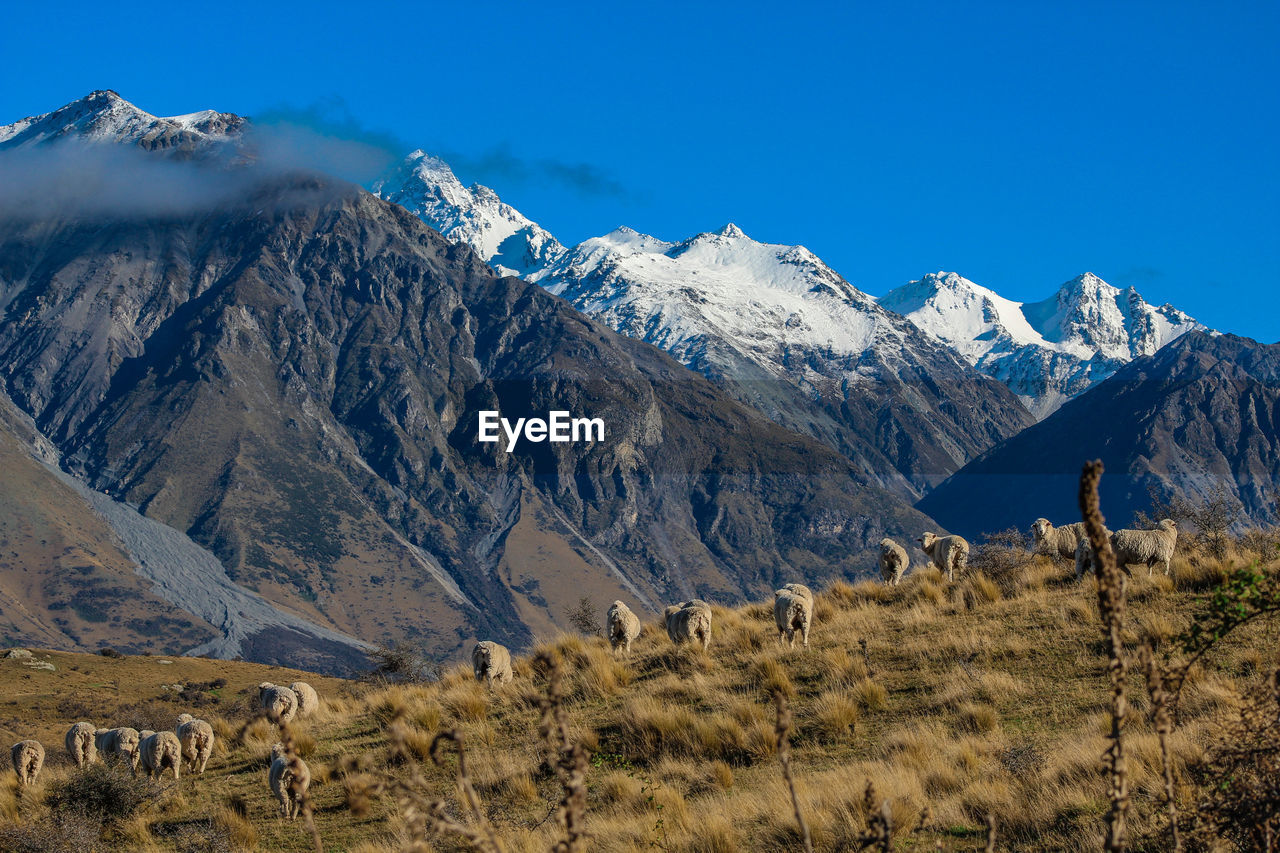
{"type": "Point", "coordinates": [104, 116]}
{"type": "Point", "coordinates": [509, 241]}
{"type": "Point", "coordinates": [1045, 351]}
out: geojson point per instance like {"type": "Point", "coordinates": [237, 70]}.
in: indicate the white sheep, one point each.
{"type": "Point", "coordinates": [622, 626]}
{"type": "Point", "coordinates": [689, 621]}
{"type": "Point", "coordinates": [80, 744]}
{"type": "Point", "coordinates": [158, 751]}
{"type": "Point", "coordinates": [121, 743]}
{"type": "Point", "coordinates": [196, 738]}
{"type": "Point", "coordinates": [308, 699]}
{"type": "Point", "coordinates": [948, 553]}
{"type": "Point", "coordinates": [28, 758]}
{"type": "Point", "coordinates": [792, 613]}
{"type": "Point", "coordinates": [491, 662]}
{"type": "Point", "coordinates": [280, 703]}
{"type": "Point", "coordinates": [893, 561]}
{"type": "Point", "coordinates": [1146, 547]}
{"type": "Point", "coordinates": [1058, 541]}
{"type": "Point", "coordinates": [289, 781]}
{"type": "Point", "coordinates": [799, 589]}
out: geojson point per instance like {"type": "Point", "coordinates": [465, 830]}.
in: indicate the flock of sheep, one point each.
{"type": "Point", "coordinates": [191, 741]}
{"type": "Point", "coordinates": [690, 621]}
{"type": "Point", "coordinates": [189, 746]}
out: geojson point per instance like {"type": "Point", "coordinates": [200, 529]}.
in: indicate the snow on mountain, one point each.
{"type": "Point", "coordinates": [1047, 351]}
{"type": "Point", "coordinates": [760, 299]}
{"type": "Point", "coordinates": [773, 324]}
{"type": "Point", "coordinates": [104, 116]}
{"type": "Point", "coordinates": [504, 237]}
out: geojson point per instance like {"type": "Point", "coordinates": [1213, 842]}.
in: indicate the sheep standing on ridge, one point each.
{"type": "Point", "coordinates": [158, 751]}
{"type": "Point", "coordinates": [893, 561]}
{"type": "Point", "coordinates": [289, 781]}
{"type": "Point", "coordinates": [196, 738]}
{"type": "Point", "coordinates": [1146, 547]}
{"type": "Point", "coordinates": [792, 612]}
{"type": "Point", "coordinates": [308, 699]}
{"type": "Point", "coordinates": [80, 744]}
{"type": "Point", "coordinates": [689, 621]}
{"type": "Point", "coordinates": [280, 703]}
{"type": "Point", "coordinates": [28, 758]}
{"type": "Point", "coordinates": [622, 626]}
{"type": "Point", "coordinates": [119, 743]}
{"type": "Point", "coordinates": [948, 553]}
{"type": "Point", "coordinates": [1057, 541]}
{"type": "Point", "coordinates": [491, 662]}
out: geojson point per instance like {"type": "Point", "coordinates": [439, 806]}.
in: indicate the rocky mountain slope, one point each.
{"type": "Point", "coordinates": [1047, 351]}
{"type": "Point", "coordinates": [293, 380]}
{"type": "Point", "coordinates": [773, 325]}
{"type": "Point", "coordinates": [1204, 411]}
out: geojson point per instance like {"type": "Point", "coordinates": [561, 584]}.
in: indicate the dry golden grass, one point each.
{"type": "Point", "coordinates": [982, 697]}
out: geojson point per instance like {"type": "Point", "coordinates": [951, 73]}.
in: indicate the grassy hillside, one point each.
{"type": "Point", "coordinates": [954, 702]}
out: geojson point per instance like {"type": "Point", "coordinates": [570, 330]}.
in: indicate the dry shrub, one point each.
{"type": "Point", "coordinates": [467, 701]}
{"type": "Point", "coordinates": [835, 713]}
{"type": "Point", "coordinates": [925, 587]}
{"type": "Point", "coordinates": [621, 789]}
{"type": "Point", "coordinates": [1079, 612]}
{"type": "Point", "coordinates": [1002, 555]}
{"type": "Point", "coordinates": [839, 595]}
{"type": "Point", "coordinates": [978, 719]}
{"type": "Point", "coordinates": [237, 828]}
{"type": "Point", "coordinates": [770, 677]}
{"type": "Point", "coordinates": [871, 695]}
{"type": "Point", "coordinates": [722, 774]}
{"type": "Point", "coordinates": [70, 832]}
{"type": "Point", "coordinates": [257, 734]}
{"type": "Point", "coordinates": [716, 834]}
{"type": "Point", "coordinates": [973, 591]}
{"type": "Point", "coordinates": [842, 667]}
{"type": "Point", "coordinates": [1156, 629]}
{"type": "Point", "coordinates": [1242, 774]}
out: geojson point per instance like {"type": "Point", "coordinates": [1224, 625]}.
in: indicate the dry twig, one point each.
{"type": "Point", "coordinates": [781, 726]}
{"type": "Point", "coordinates": [1111, 609]}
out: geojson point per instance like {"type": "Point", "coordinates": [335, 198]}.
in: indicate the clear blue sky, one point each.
{"type": "Point", "coordinates": [1017, 143]}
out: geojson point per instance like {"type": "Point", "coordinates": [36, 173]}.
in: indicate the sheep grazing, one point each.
{"type": "Point", "coordinates": [689, 621]}
{"type": "Point", "coordinates": [160, 751]}
{"type": "Point", "coordinates": [289, 781]}
{"type": "Point", "coordinates": [308, 699]}
{"type": "Point", "coordinates": [792, 612]}
{"type": "Point", "coordinates": [893, 561]}
{"type": "Point", "coordinates": [118, 743]}
{"type": "Point", "coordinates": [622, 626]}
{"type": "Point", "coordinates": [80, 744]}
{"type": "Point", "coordinates": [1146, 547]}
{"type": "Point", "coordinates": [280, 703]}
{"type": "Point", "coordinates": [28, 758]}
{"type": "Point", "coordinates": [491, 662]}
{"type": "Point", "coordinates": [196, 738]}
{"type": "Point", "coordinates": [948, 553]}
